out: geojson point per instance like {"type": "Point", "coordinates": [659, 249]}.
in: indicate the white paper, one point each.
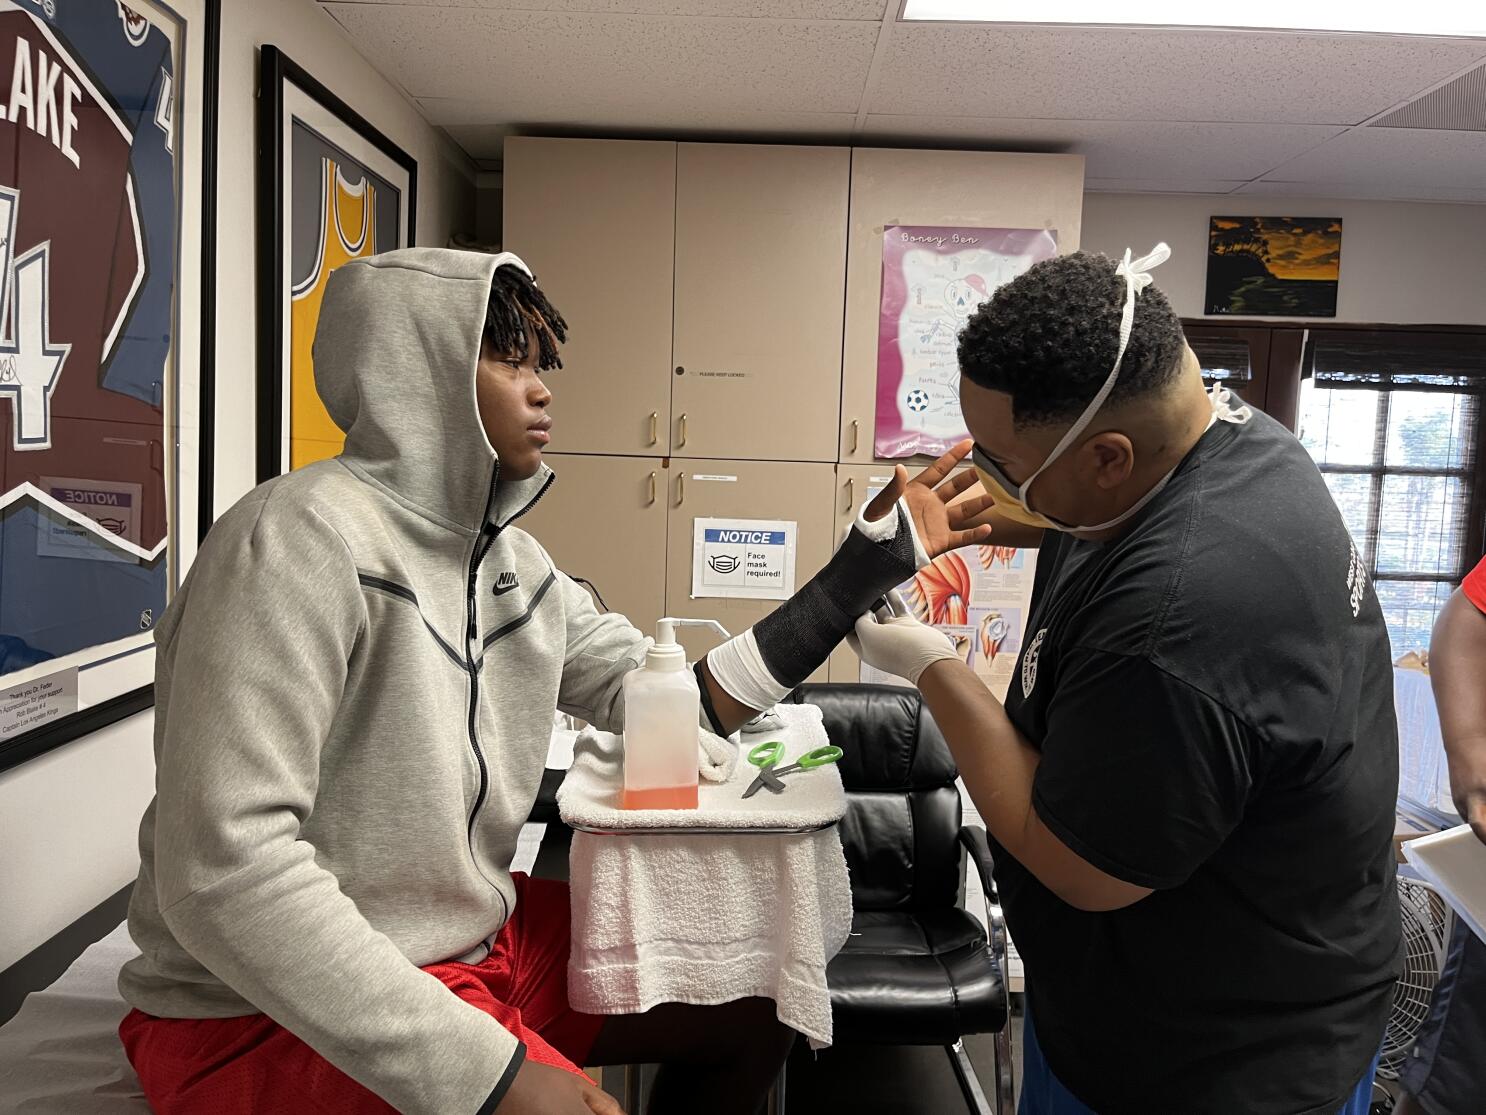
{"type": "Point", "coordinates": [751, 559]}
{"type": "Point", "coordinates": [37, 703]}
{"type": "Point", "coordinates": [1454, 861]}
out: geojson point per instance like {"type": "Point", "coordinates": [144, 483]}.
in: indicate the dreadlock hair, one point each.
{"type": "Point", "coordinates": [518, 314]}
{"type": "Point", "coordinates": [1050, 336]}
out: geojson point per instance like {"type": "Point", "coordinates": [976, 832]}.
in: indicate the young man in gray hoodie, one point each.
{"type": "Point", "coordinates": [355, 688]}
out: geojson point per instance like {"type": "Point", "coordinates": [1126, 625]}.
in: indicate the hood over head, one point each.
{"type": "Point", "coordinates": [395, 352]}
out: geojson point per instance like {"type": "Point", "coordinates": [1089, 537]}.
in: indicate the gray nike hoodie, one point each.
{"type": "Point", "coordinates": [351, 726]}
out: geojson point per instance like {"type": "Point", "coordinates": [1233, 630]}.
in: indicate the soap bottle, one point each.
{"type": "Point", "coordinates": [661, 724]}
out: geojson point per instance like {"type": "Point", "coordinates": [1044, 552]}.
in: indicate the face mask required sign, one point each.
{"type": "Point", "coordinates": [749, 559]}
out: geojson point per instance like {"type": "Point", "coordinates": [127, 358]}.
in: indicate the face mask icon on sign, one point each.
{"type": "Point", "coordinates": [724, 563]}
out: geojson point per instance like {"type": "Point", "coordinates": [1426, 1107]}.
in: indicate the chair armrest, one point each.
{"type": "Point", "coordinates": [978, 847]}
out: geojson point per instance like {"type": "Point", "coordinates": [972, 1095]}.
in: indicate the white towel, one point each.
{"type": "Point", "coordinates": [708, 919]}
{"type": "Point", "coordinates": [589, 797]}
{"type": "Point", "coordinates": [717, 756]}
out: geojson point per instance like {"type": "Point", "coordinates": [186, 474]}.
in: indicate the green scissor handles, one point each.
{"type": "Point", "coordinates": [767, 755]}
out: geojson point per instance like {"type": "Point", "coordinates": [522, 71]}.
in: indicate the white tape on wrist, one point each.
{"type": "Point", "coordinates": [739, 668]}
{"type": "Point", "coordinates": [886, 528]}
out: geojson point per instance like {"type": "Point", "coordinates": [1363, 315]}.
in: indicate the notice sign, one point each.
{"type": "Point", "coordinates": [114, 508]}
{"type": "Point", "coordinates": [37, 703]}
{"type": "Point", "coordinates": [751, 559]}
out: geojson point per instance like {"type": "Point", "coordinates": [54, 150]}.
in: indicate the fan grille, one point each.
{"type": "Point", "coordinates": [1426, 921]}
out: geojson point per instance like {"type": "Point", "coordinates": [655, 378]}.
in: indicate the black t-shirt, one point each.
{"type": "Point", "coordinates": [1213, 700]}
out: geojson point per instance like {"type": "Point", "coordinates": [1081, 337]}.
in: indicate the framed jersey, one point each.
{"type": "Point", "coordinates": [331, 188]}
{"type": "Point", "coordinates": [103, 238]}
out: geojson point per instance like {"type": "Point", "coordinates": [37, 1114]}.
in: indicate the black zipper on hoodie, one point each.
{"type": "Point", "coordinates": [486, 538]}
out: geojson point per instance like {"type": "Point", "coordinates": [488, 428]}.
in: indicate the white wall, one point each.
{"type": "Point", "coordinates": [68, 820]}
{"type": "Point", "coordinates": [446, 191]}
{"type": "Point", "coordinates": [1402, 262]}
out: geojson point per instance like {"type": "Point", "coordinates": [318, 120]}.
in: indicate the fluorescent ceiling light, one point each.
{"type": "Point", "coordinates": [1424, 17]}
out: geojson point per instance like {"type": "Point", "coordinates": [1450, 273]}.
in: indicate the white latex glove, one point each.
{"type": "Point", "coordinates": [893, 641]}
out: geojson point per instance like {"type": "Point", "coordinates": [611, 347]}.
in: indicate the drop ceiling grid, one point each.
{"type": "Point", "coordinates": [1254, 108]}
{"type": "Point", "coordinates": [631, 62]}
{"type": "Point", "coordinates": [868, 10]}
{"type": "Point", "coordinates": [1123, 74]}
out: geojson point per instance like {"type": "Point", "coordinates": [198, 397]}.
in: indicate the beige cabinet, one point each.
{"type": "Point", "coordinates": [973, 189]}
{"type": "Point", "coordinates": [760, 240]}
{"type": "Point", "coordinates": [595, 219]}
{"type": "Point", "coordinates": [605, 520]}
{"type": "Point", "coordinates": [743, 490]}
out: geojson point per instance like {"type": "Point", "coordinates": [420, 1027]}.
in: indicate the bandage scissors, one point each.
{"type": "Point", "coordinates": [766, 757]}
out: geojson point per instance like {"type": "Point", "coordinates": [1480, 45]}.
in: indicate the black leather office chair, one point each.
{"type": "Point", "coordinates": [917, 969]}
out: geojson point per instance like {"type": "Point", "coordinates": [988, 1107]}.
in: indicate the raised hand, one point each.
{"type": "Point", "coordinates": [941, 526]}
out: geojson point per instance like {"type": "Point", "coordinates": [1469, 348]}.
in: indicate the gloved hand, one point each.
{"type": "Point", "coordinates": [892, 640]}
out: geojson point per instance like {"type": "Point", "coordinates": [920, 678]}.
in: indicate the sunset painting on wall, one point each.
{"type": "Point", "coordinates": [1273, 266]}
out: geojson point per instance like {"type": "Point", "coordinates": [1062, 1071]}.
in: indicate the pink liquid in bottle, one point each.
{"type": "Point", "coordinates": [661, 797]}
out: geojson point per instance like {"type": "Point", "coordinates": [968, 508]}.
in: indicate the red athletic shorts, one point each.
{"type": "Point", "coordinates": [253, 1066]}
{"type": "Point", "coordinates": [1474, 586]}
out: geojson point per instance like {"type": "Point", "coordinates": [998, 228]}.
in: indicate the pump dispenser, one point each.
{"type": "Point", "coordinates": [662, 716]}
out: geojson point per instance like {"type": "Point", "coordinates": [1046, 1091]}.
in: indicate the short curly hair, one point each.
{"type": "Point", "coordinates": [1049, 337]}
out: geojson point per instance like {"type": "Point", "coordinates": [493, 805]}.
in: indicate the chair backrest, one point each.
{"type": "Point", "coordinates": [902, 818]}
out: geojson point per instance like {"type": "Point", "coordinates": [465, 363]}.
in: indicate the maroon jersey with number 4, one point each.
{"type": "Point", "coordinates": [71, 263]}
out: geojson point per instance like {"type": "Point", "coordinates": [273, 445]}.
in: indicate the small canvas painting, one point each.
{"type": "Point", "coordinates": [1273, 266]}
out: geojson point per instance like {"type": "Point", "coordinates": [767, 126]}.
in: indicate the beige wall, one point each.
{"type": "Point", "coordinates": [1402, 262]}
{"type": "Point", "coordinates": [68, 820]}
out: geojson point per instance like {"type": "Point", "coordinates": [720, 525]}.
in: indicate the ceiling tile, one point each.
{"type": "Point", "coordinates": [1393, 157]}
{"type": "Point", "coordinates": [1364, 190]}
{"type": "Point", "coordinates": [588, 66]}
{"type": "Point", "coordinates": [1121, 148]}
{"type": "Point", "coordinates": [485, 141]}
{"type": "Point", "coordinates": [1115, 73]}
{"type": "Point", "coordinates": [872, 10]}
{"type": "Point", "coordinates": [1161, 185]}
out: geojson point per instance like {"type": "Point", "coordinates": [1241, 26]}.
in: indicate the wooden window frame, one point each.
{"type": "Point", "coordinates": [1283, 361]}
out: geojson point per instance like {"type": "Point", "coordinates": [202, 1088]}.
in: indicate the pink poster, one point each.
{"type": "Point", "coordinates": [933, 279]}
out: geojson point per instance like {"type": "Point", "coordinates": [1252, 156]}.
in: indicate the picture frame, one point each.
{"type": "Point", "coordinates": [330, 187]}
{"type": "Point", "coordinates": [109, 462]}
{"type": "Point", "coordinates": [1266, 266]}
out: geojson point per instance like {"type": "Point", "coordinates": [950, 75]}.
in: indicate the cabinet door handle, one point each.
{"type": "Point", "coordinates": [681, 438]}
{"type": "Point", "coordinates": [855, 433]}
{"type": "Point", "coordinates": [654, 429]}
{"type": "Point", "coordinates": [652, 488]}
{"type": "Point", "coordinates": [851, 500]}
{"type": "Point", "coordinates": [680, 488]}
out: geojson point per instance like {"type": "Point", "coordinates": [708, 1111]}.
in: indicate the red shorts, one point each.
{"type": "Point", "coordinates": [1474, 586]}
{"type": "Point", "coordinates": [254, 1066]}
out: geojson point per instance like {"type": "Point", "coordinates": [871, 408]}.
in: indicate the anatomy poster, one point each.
{"type": "Point", "coordinates": [933, 279]}
{"type": "Point", "coordinates": [978, 596]}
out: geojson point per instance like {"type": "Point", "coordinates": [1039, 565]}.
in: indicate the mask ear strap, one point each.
{"type": "Point", "coordinates": [1137, 276]}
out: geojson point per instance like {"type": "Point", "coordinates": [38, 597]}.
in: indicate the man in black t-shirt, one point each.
{"type": "Point", "coordinates": [1190, 788]}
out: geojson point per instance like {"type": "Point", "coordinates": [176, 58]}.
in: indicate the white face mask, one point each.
{"type": "Point", "coordinates": [1137, 277]}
